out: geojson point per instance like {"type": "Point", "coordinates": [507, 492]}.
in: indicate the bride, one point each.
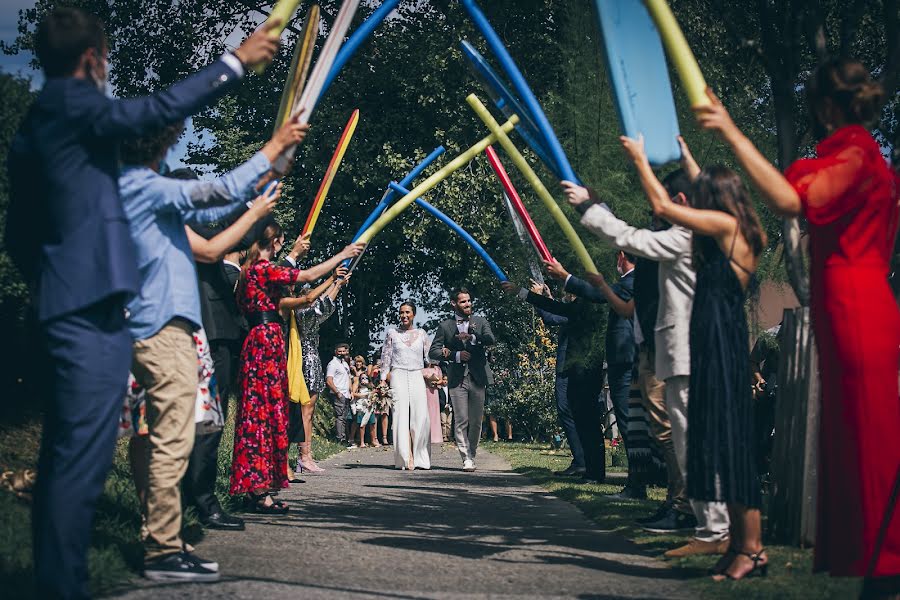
{"type": "Point", "coordinates": [404, 356]}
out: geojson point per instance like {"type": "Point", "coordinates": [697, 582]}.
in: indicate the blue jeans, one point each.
{"type": "Point", "coordinates": [567, 421]}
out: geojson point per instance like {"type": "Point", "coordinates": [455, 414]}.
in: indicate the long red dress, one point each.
{"type": "Point", "coordinates": [850, 197]}
{"type": "Point", "coordinates": [260, 428]}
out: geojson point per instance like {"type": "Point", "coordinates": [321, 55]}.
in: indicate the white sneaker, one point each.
{"type": "Point", "coordinates": [468, 465]}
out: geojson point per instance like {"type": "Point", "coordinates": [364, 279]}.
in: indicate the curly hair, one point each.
{"type": "Point", "coordinates": [145, 150]}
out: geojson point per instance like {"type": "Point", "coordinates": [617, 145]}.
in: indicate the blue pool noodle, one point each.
{"type": "Point", "coordinates": [356, 39]}
{"type": "Point", "coordinates": [509, 67]}
{"type": "Point", "coordinates": [508, 104]}
{"type": "Point", "coordinates": [459, 231]}
{"type": "Point", "coordinates": [389, 196]}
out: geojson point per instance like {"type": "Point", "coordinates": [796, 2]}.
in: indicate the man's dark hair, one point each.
{"type": "Point", "coordinates": [455, 292]}
{"type": "Point", "coordinates": [630, 257]}
{"type": "Point", "coordinates": [342, 345]}
{"type": "Point", "coordinates": [144, 150]}
{"type": "Point", "coordinates": [63, 36]}
{"type": "Point", "coordinates": [677, 182]}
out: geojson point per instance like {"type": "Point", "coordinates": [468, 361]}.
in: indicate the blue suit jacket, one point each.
{"type": "Point", "coordinates": [620, 346]}
{"type": "Point", "coordinates": [66, 230]}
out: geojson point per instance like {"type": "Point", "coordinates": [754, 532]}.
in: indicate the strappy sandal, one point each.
{"type": "Point", "coordinates": [259, 505]}
{"type": "Point", "coordinates": [758, 570]}
{"type": "Point", "coordinates": [722, 565]}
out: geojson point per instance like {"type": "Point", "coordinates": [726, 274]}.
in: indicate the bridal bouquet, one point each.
{"type": "Point", "coordinates": [381, 398]}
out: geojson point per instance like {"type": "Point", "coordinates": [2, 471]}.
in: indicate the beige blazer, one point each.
{"type": "Point", "coordinates": [677, 278]}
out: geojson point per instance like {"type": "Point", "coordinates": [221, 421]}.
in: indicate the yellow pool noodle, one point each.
{"type": "Point", "coordinates": [432, 180]}
{"type": "Point", "coordinates": [679, 52]}
{"type": "Point", "coordinates": [300, 64]}
{"type": "Point", "coordinates": [534, 181]}
{"type": "Point", "coordinates": [283, 11]}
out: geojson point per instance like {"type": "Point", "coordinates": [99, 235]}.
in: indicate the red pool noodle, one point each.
{"type": "Point", "coordinates": [517, 203]}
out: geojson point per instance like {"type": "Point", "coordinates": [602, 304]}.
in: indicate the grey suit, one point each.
{"type": "Point", "coordinates": [467, 380]}
{"type": "Point", "coordinates": [677, 279]}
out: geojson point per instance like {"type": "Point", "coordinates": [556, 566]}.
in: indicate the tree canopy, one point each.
{"type": "Point", "coordinates": [409, 82]}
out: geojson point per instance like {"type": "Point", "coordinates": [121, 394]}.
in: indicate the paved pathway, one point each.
{"type": "Point", "coordinates": [365, 530]}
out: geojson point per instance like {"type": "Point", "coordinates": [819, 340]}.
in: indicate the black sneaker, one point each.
{"type": "Point", "coordinates": [203, 562]}
{"type": "Point", "coordinates": [671, 522]}
{"type": "Point", "coordinates": [181, 566]}
{"type": "Point", "coordinates": [656, 516]}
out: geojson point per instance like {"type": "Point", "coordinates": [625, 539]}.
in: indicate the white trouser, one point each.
{"type": "Point", "coordinates": [712, 517]}
{"type": "Point", "coordinates": [412, 431]}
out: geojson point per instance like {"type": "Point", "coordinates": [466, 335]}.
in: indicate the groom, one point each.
{"type": "Point", "coordinates": [462, 341]}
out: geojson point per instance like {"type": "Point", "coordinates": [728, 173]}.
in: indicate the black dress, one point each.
{"type": "Point", "coordinates": [721, 461]}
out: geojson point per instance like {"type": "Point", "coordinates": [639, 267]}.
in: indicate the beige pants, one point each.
{"type": "Point", "coordinates": [653, 393]}
{"type": "Point", "coordinates": [166, 366]}
{"type": "Point", "coordinates": [712, 517]}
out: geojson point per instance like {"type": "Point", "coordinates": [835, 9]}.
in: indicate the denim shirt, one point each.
{"type": "Point", "coordinates": [157, 209]}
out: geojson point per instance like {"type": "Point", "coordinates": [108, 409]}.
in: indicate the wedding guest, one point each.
{"type": "Point", "coordinates": [361, 390]}
{"type": "Point", "coordinates": [312, 308]}
{"type": "Point", "coordinates": [728, 240]}
{"type": "Point", "coordinates": [382, 417]}
{"type": "Point", "coordinates": [583, 368]}
{"type": "Point", "coordinates": [337, 378]}
{"type": "Point", "coordinates": [620, 347]}
{"type": "Point", "coordinates": [81, 264]}
{"type": "Point", "coordinates": [259, 463]}
{"type": "Point", "coordinates": [219, 315]}
{"type": "Point", "coordinates": [672, 248]}
{"type": "Point", "coordinates": [433, 378]}
{"type": "Point", "coordinates": [166, 312]}
{"type": "Point", "coordinates": [849, 197]}
{"type": "Point", "coordinates": [564, 413]}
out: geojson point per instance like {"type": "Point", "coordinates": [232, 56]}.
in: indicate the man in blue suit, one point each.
{"type": "Point", "coordinates": [67, 233]}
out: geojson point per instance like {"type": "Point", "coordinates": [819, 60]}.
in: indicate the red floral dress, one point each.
{"type": "Point", "coordinates": [260, 432]}
{"type": "Point", "coordinates": [850, 198]}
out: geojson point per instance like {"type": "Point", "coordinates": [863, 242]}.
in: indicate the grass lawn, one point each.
{"type": "Point", "coordinates": [116, 554]}
{"type": "Point", "coordinates": [789, 571]}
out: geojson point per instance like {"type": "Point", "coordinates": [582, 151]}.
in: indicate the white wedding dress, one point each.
{"type": "Point", "coordinates": [404, 355]}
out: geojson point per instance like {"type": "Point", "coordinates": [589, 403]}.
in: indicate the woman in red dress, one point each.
{"type": "Point", "coordinates": [260, 459]}
{"type": "Point", "coordinates": [850, 197]}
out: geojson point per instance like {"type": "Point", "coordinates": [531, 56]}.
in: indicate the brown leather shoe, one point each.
{"type": "Point", "coordinates": [695, 547]}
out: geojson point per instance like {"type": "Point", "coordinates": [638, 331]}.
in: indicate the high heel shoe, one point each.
{"type": "Point", "coordinates": [724, 561]}
{"type": "Point", "coordinates": [758, 570]}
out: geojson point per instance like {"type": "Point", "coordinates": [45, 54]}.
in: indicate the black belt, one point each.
{"type": "Point", "coordinates": [261, 318]}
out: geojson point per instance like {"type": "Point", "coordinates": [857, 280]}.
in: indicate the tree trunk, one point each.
{"type": "Point", "coordinates": [783, 99]}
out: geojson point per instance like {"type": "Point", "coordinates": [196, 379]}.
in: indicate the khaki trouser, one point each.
{"type": "Point", "coordinates": [712, 517]}
{"type": "Point", "coordinates": [653, 392]}
{"type": "Point", "coordinates": [166, 366]}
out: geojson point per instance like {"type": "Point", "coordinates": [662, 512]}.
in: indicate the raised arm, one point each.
{"type": "Point", "coordinates": [307, 299]}
{"type": "Point", "coordinates": [620, 300]}
{"type": "Point", "coordinates": [713, 223]}
{"type": "Point", "coordinates": [138, 116]}
{"type": "Point", "coordinates": [214, 249]}
{"type": "Point", "coordinates": [775, 190]}
{"type": "Point", "coordinates": [318, 271]}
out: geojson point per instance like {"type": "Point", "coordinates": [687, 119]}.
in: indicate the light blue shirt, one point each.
{"type": "Point", "coordinates": [157, 208]}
